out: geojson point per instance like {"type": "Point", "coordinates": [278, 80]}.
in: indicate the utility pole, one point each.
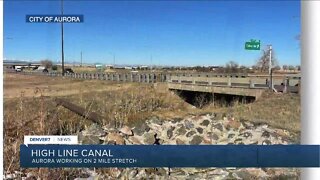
{"type": "Point", "coordinates": [62, 45]}
{"type": "Point", "coordinates": [114, 60]}
{"type": "Point", "coordinates": [270, 67]}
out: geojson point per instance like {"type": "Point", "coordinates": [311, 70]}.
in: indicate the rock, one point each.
{"type": "Point", "coordinates": [170, 132]}
{"type": "Point", "coordinates": [30, 175]}
{"type": "Point", "coordinates": [150, 171]}
{"type": "Point", "coordinates": [177, 172]}
{"type": "Point", "coordinates": [149, 138]}
{"type": "Point", "coordinates": [189, 124]}
{"type": "Point", "coordinates": [280, 173]}
{"type": "Point", "coordinates": [254, 143]}
{"type": "Point", "coordinates": [95, 130]}
{"type": "Point", "coordinates": [111, 142]}
{"type": "Point", "coordinates": [18, 173]}
{"type": "Point", "coordinates": [175, 120]}
{"type": "Point", "coordinates": [213, 136]}
{"type": "Point", "coordinates": [266, 142]}
{"type": "Point", "coordinates": [206, 140]}
{"type": "Point", "coordinates": [126, 130]}
{"type": "Point", "coordinates": [156, 120]}
{"type": "Point", "coordinates": [161, 172]}
{"type": "Point", "coordinates": [205, 122]}
{"type": "Point", "coordinates": [200, 130]}
{"type": "Point", "coordinates": [247, 125]}
{"type": "Point", "coordinates": [115, 172]}
{"type": "Point", "coordinates": [234, 124]}
{"type": "Point", "coordinates": [191, 133]}
{"type": "Point", "coordinates": [141, 175]}
{"type": "Point", "coordinates": [115, 137]}
{"type": "Point", "coordinates": [182, 130]}
{"type": "Point", "coordinates": [180, 142]}
{"type": "Point", "coordinates": [231, 135]}
{"type": "Point", "coordinates": [238, 141]}
{"type": "Point", "coordinates": [89, 139]}
{"type": "Point", "coordinates": [134, 140]}
{"type": "Point", "coordinates": [10, 176]}
{"type": "Point", "coordinates": [219, 172]}
{"type": "Point", "coordinates": [142, 129]}
{"type": "Point", "coordinates": [89, 178]}
{"type": "Point", "coordinates": [133, 173]}
{"type": "Point", "coordinates": [252, 173]}
{"type": "Point", "coordinates": [281, 132]}
{"type": "Point", "coordinates": [244, 175]}
{"type": "Point", "coordinates": [266, 134]}
{"type": "Point", "coordinates": [196, 140]}
{"type": "Point", "coordinates": [218, 126]}
{"type": "Point", "coordinates": [246, 134]}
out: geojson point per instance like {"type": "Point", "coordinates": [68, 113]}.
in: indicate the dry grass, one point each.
{"type": "Point", "coordinates": [33, 111]}
{"type": "Point", "coordinates": [278, 110]}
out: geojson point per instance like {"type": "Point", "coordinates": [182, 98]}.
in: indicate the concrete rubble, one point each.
{"type": "Point", "coordinates": [202, 129]}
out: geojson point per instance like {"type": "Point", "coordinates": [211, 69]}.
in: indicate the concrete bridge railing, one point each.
{"type": "Point", "coordinates": [244, 86]}
{"type": "Point", "coordinates": [119, 77]}
{"type": "Point", "coordinates": [243, 82]}
{"type": "Point", "coordinates": [199, 79]}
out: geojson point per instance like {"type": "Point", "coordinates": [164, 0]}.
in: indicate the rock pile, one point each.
{"type": "Point", "coordinates": [202, 129]}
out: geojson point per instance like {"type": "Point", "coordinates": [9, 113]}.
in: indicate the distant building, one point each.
{"type": "Point", "coordinates": [109, 66]}
{"type": "Point", "coordinates": [98, 66]}
{"type": "Point", "coordinates": [143, 67]}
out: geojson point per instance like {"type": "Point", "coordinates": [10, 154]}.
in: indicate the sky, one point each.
{"type": "Point", "coordinates": [180, 33]}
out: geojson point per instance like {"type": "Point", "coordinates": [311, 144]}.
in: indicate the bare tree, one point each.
{"type": "Point", "coordinates": [285, 67]}
{"type": "Point", "coordinates": [291, 68]}
{"type": "Point", "coordinates": [277, 67]}
{"type": "Point", "coordinates": [263, 61]}
{"type": "Point", "coordinates": [232, 67]}
{"type": "Point", "coordinates": [46, 63]}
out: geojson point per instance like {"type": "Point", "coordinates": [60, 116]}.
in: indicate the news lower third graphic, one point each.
{"type": "Point", "coordinates": [54, 152]}
{"type": "Point", "coordinates": [54, 18]}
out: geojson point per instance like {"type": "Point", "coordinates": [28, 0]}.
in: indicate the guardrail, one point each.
{"type": "Point", "coordinates": [219, 80]}
{"type": "Point", "coordinates": [120, 77]}
{"type": "Point", "coordinates": [252, 82]}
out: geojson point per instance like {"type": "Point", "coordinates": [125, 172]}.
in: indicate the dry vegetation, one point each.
{"type": "Point", "coordinates": [29, 109]}
{"type": "Point", "coordinates": [277, 110]}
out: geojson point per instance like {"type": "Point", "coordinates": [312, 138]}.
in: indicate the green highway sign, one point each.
{"type": "Point", "coordinates": [252, 45]}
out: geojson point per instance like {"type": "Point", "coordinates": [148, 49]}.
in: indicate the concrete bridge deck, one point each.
{"type": "Point", "coordinates": [244, 86]}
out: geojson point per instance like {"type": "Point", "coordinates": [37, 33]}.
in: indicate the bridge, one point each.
{"type": "Point", "coordinates": [250, 85]}
{"type": "Point", "coordinates": [237, 84]}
